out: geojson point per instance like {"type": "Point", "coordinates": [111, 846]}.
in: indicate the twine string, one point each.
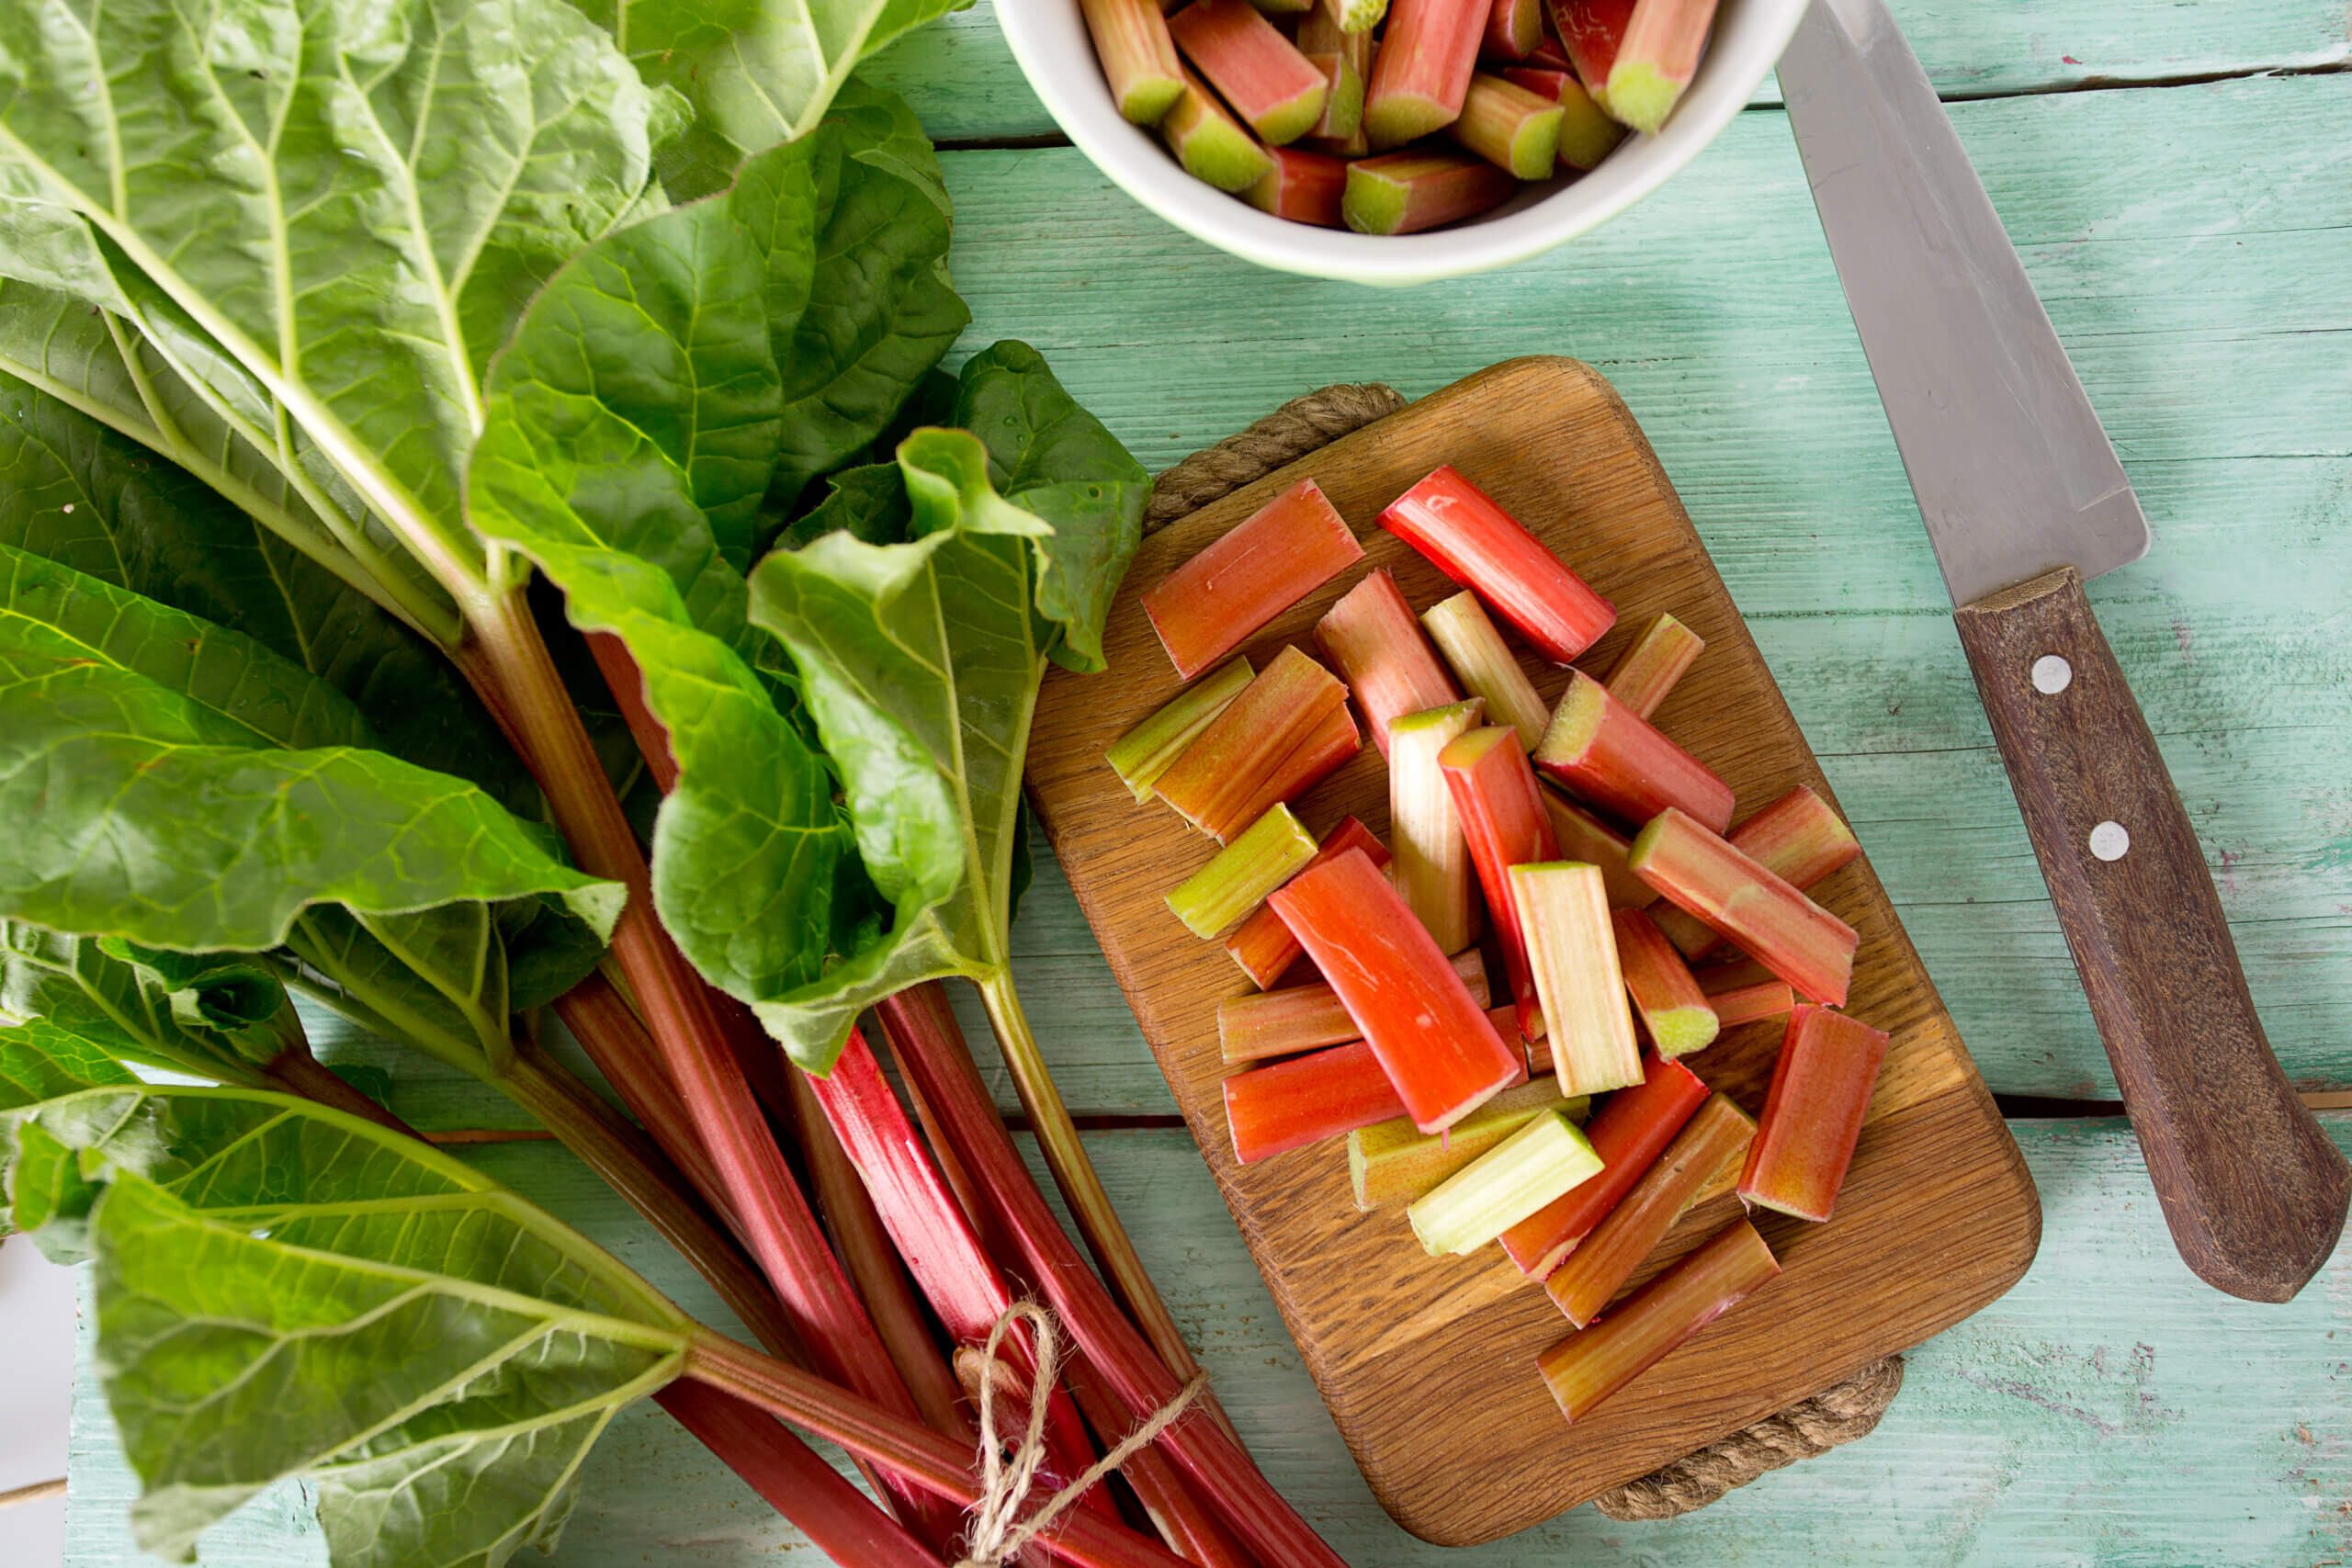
{"type": "Point", "coordinates": [996, 1535]}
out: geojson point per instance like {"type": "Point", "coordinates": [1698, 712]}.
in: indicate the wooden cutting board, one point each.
{"type": "Point", "coordinates": [1428, 1364]}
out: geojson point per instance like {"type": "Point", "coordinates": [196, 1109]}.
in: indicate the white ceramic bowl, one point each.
{"type": "Point", "coordinates": [1049, 39]}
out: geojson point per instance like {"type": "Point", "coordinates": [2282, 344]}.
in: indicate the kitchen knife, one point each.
{"type": "Point", "coordinates": [2024, 501]}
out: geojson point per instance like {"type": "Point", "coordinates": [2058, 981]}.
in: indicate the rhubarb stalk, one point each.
{"type": "Point", "coordinates": [1590, 32]}
{"type": "Point", "coordinates": [1326, 747]}
{"type": "Point", "coordinates": [1513, 30]}
{"type": "Point", "coordinates": [1608, 754]}
{"type": "Point", "coordinates": [1419, 187]}
{"type": "Point", "coordinates": [1236, 881]}
{"type": "Point", "coordinates": [1633, 1127]}
{"type": "Point", "coordinates": [1564, 911]}
{"type": "Point", "coordinates": [1484, 548]}
{"type": "Point", "coordinates": [1813, 1114]}
{"type": "Point", "coordinates": [1435, 1043]}
{"type": "Point", "coordinates": [1483, 665]}
{"type": "Point", "coordinates": [1656, 60]}
{"type": "Point", "coordinates": [1516, 131]}
{"type": "Point", "coordinates": [1261, 945]}
{"type": "Point", "coordinates": [1587, 135]}
{"type": "Point", "coordinates": [1143, 754]}
{"type": "Point", "coordinates": [1674, 1012]}
{"type": "Point", "coordinates": [1261, 1026]}
{"type": "Point", "coordinates": [1593, 1363]}
{"type": "Point", "coordinates": [1423, 68]}
{"type": "Point", "coordinates": [1371, 638]}
{"type": "Point", "coordinates": [1357, 17]}
{"type": "Point", "coordinates": [1261, 566]}
{"type": "Point", "coordinates": [1715, 1137]}
{"type": "Point", "coordinates": [1582, 836]}
{"type": "Point", "coordinates": [1288, 1105]}
{"type": "Point", "coordinates": [1432, 867]}
{"type": "Point", "coordinates": [1139, 57]}
{"type": "Point", "coordinates": [1209, 142]}
{"type": "Point", "coordinates": [1220, 775]}
{"type": "Point", "coordinates": [1789, 934]}
{"type": "Point", "coordinates": [1798, 839]}
{"type": "Point", "coordinates": [1255, 68]}
{"type": "Point", "coordinates": [1501, 812]}
{"type": "Point", "coordinates": [1342, 115]}
{"type": "Point", "coordinates": [1533, 1167]}
{"type": "Point", "coordinates": [1648, 668]}
{"type": "Point", "coordinates": [1744, 992]}
{"type": "Point", "coordinates": [1393, 1162]}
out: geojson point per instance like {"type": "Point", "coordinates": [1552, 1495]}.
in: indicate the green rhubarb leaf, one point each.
{"type": "Point", "coordinates": [349, 200]}
{"type": "Point", "coordinates": [39, 1061]}
{"type": "Point", "coordinates": [133, 1014]}
{"type": "Point", "coordinates": [284, 1291]}
{"type": "Point", "coordinates": [881, 310]}
{"type": "Point", "coordinates": [181, 786]}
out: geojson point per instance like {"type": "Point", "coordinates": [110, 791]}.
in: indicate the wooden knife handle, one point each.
{"type": "Point", "coordinates": [2254, 1190]}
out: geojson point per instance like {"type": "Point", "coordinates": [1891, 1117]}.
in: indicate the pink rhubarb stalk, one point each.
{"type": "Point", "coordinates": [1513, 30]}
{"type": "Point", "coordinates": [1582, 836]}
{"type": "Point", "coordinates": [1326, 747]}
{"type": "Point", "coordinates": [1256, 70]}
{"type": "Point", "coordinates": [1287, 1105]}
{"type": "Point", "coordinates": [1423, 68]}
{"type": "Point", "coordinates": [1484, 664]}
{"type": "Point", "coordinates": [1419, 187]}
{"type": "Point", "coordinates": [1264, 564]}
{"type": "Point", "coordinates": [1656, 60]}
{"type": "Point", "coordinates": [1591, 31]}
{"type": "Point", "coordinates": [1370, 637]}
{"type": "Point", "coordinates": [1606, 753]}
{"type": "Point", "coordinates": [1743, 991]}
{"type": "Point", "coordinates": [1261, 1025]}
{"type": "Point", "coordinates": [1217, 780]}
{"type": "Point", "coordinates": [1433, 1041]}
{"type": "Point", "coordinates": [1675, 1013]}
{"type": "Point", "coordinates": [1503, 821]}
{"type": "Point", "coordinates": [1564, 911]}
{"type": "Point", "coordinates": [1782, 929]}
{"type": "Point", "coordinates": [1798, 839]}
{"type": "Point", "coordinates": [1212, 145]}
{"type": "Point", "coordinates": [1813, 1114]}
{"type": "Point", "coordinates": [1630, 1129]}
{"type": "Point", "coordinates": [1143, 754]}
{"type": "Point", "coordinates": [1138, 56]}
{"type": "Point", "coordinates": [1345, 59]}
{"type": "Point", "coordinates": [1481, 547]}
{"type": "Point", "coordinates": [1648, 668]}
{"type": "Point", "coordinates": [1516, 131]}
{"type": "Point", "coordinates": [1593, 1363]}
{"type": "Point", "coordinates": [1587, 135]}
{"type": "Point", "coordinates": [1715, 1137]}
{"type": "Point", "coordinates": [1261, 945]}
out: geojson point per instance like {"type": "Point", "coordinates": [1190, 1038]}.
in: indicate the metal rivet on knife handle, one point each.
{"type": "Point", "coordinates": [2110, 840]}
{"type": "Point", "coordinates": [2051, 675]}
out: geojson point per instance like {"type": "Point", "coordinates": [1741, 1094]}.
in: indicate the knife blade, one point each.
{"type": "Point", "coordinates": [2024, 500]}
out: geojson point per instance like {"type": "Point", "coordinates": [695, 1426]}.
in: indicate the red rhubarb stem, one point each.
{"type": "Point", "coordinates": [1371, 639]}
{"type": "Point", "coordinates": [1813, 1113]}
{"type": "Point", "coordinates": [1481, 547]}
{"type": "Point", "coordinates": [1628, 1135]}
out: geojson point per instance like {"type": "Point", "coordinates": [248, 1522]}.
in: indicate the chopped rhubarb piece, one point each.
{"type": "Point", "coordinates": [1302, 186]}
{"type": "Point", "coordinates": [1501, 812]}
{"type": "Point", "coordinates": [1371, 638]}
{"type": "Point", "coordinates": [1582, 836]}
{"type": "Point", "coordinates": [1481, 547]}
{"type": "Point", "coordinates": [1325, 31]}
{"type": "Point", "coordinates": [1256, 70]}
{"type": "Point", "coordinates": [1714, 1139]}
{"type": "Point", "coordinates": [1776, 925]}
{"type": "Point", "coordinates": [1548, 55]}
{"type": "Point", "coordinates": [1421, 187]}
{"type": "Point", "coordinates": [1273, 1109]}
{"type": "Point", "coordinates": [1744, 992]}
{"type": "Point", "coordinates": [1590, 32]}
{"type": "Point", "coordinates": [1483, 665]}
{"type": "Point", "coordinates": [1674, 1011]}
{"type": "Point", "coordinates": [1393, 1162]}
{"type": "Point", "coordinates": [1509, 127]}
{"type": "Point", "coordinates": [1593, 1363]}
{"type": "Point", "coordinates": [1423, 69]}
{"type": "Point", "coordinates": [1432, 867]}
{"type": "Point", "coordinates": [1648, 670]}
{"type": "Point", "coordinates": [1433, 1040]}
{"type": "Point", "coordinates": [1354, 146]}
{"type": "Point", "coordinates": [1213, 146]}
{"type": "Point", "coordinates": [1358, 16]}
{"type": "Point", "coordinates": [1798, 837]}
{"type": "Point", "coordinates": [1628, 1133]}
{"type": "Point", "coordinates": [1263, 565]}
{"type": "Point", "coordinates": [1343, 114]}
{"type": "Point", "coordinates": [1143, 754]}
{"type": "Point", "coordinates": [1813, 1113]}
{"type": "Point", "coordinates": [1262, 1025]}
{"type": "Point", "coordinates": [1656, 60]}
{"type": "Point", "coordinates": [1513, 30]}
{"type": "Point", "coordinates": [1326, 749]}
{"type": "Point", "coordinates": [1268, 854]}
{"type": "Point", "coordinates": [1587, 135]}
{"type": "Point", "coordinates": [1565, 913]}
{"type": "Point", "coordinates": [1139, 57]}
{"type": "Point", "coordinates": [1611, 756]}
{"type": "Point", "coordinates": [1261, 945]}
{"type": "Point", "coordinates": [1216, 779]}
{"type": "Point", "coordinates": [1532, 1168]}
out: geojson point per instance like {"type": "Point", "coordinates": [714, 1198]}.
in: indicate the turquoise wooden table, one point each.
{"type": "Point", "coordinates": [2178, 179]}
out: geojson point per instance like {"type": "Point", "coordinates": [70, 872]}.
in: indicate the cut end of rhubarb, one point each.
{"type": "Point", "coordinates": [1343, 114]}
{"type": "Point", "coordinates": [1211, 143]}
{"type": "Point", "coordinates": [1641, 97]}
{"type": "Point", "coordinates": [1399, 118]}
{"type": "Point", "coordinates": [1574, 723]}
{"type": "Point", "coordinates": [1357, 16]}
{"type": "Point", "coordinates": [1680, 1030]}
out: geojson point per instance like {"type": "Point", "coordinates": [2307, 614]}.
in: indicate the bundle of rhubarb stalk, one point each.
{"type": "Point", "coordinates": [1390, 118]}
{"type": "Point", "coordinates": [1568, 863]}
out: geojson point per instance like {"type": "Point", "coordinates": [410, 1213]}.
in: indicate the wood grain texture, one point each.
{"type": "Point", "coordinates": [2107, 1412]}
{"type": "Point", "coordinates": [962, 80]}
{"type": "Point", "coordinates": [2253, 1191]}
{"type": "Point", "coordinates": [1394, 1336]}
{"type": "Point", "coordinates": [2192, 226]}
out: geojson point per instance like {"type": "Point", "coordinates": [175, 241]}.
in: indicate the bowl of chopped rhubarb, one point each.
{"type": "Point", "coordinates": [1393, 142]}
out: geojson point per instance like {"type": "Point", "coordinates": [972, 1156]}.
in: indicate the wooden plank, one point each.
{"type": "Point", "coordinates": [2107, 1410]}
{"type": "Point", "coordinates": [963, 82]}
